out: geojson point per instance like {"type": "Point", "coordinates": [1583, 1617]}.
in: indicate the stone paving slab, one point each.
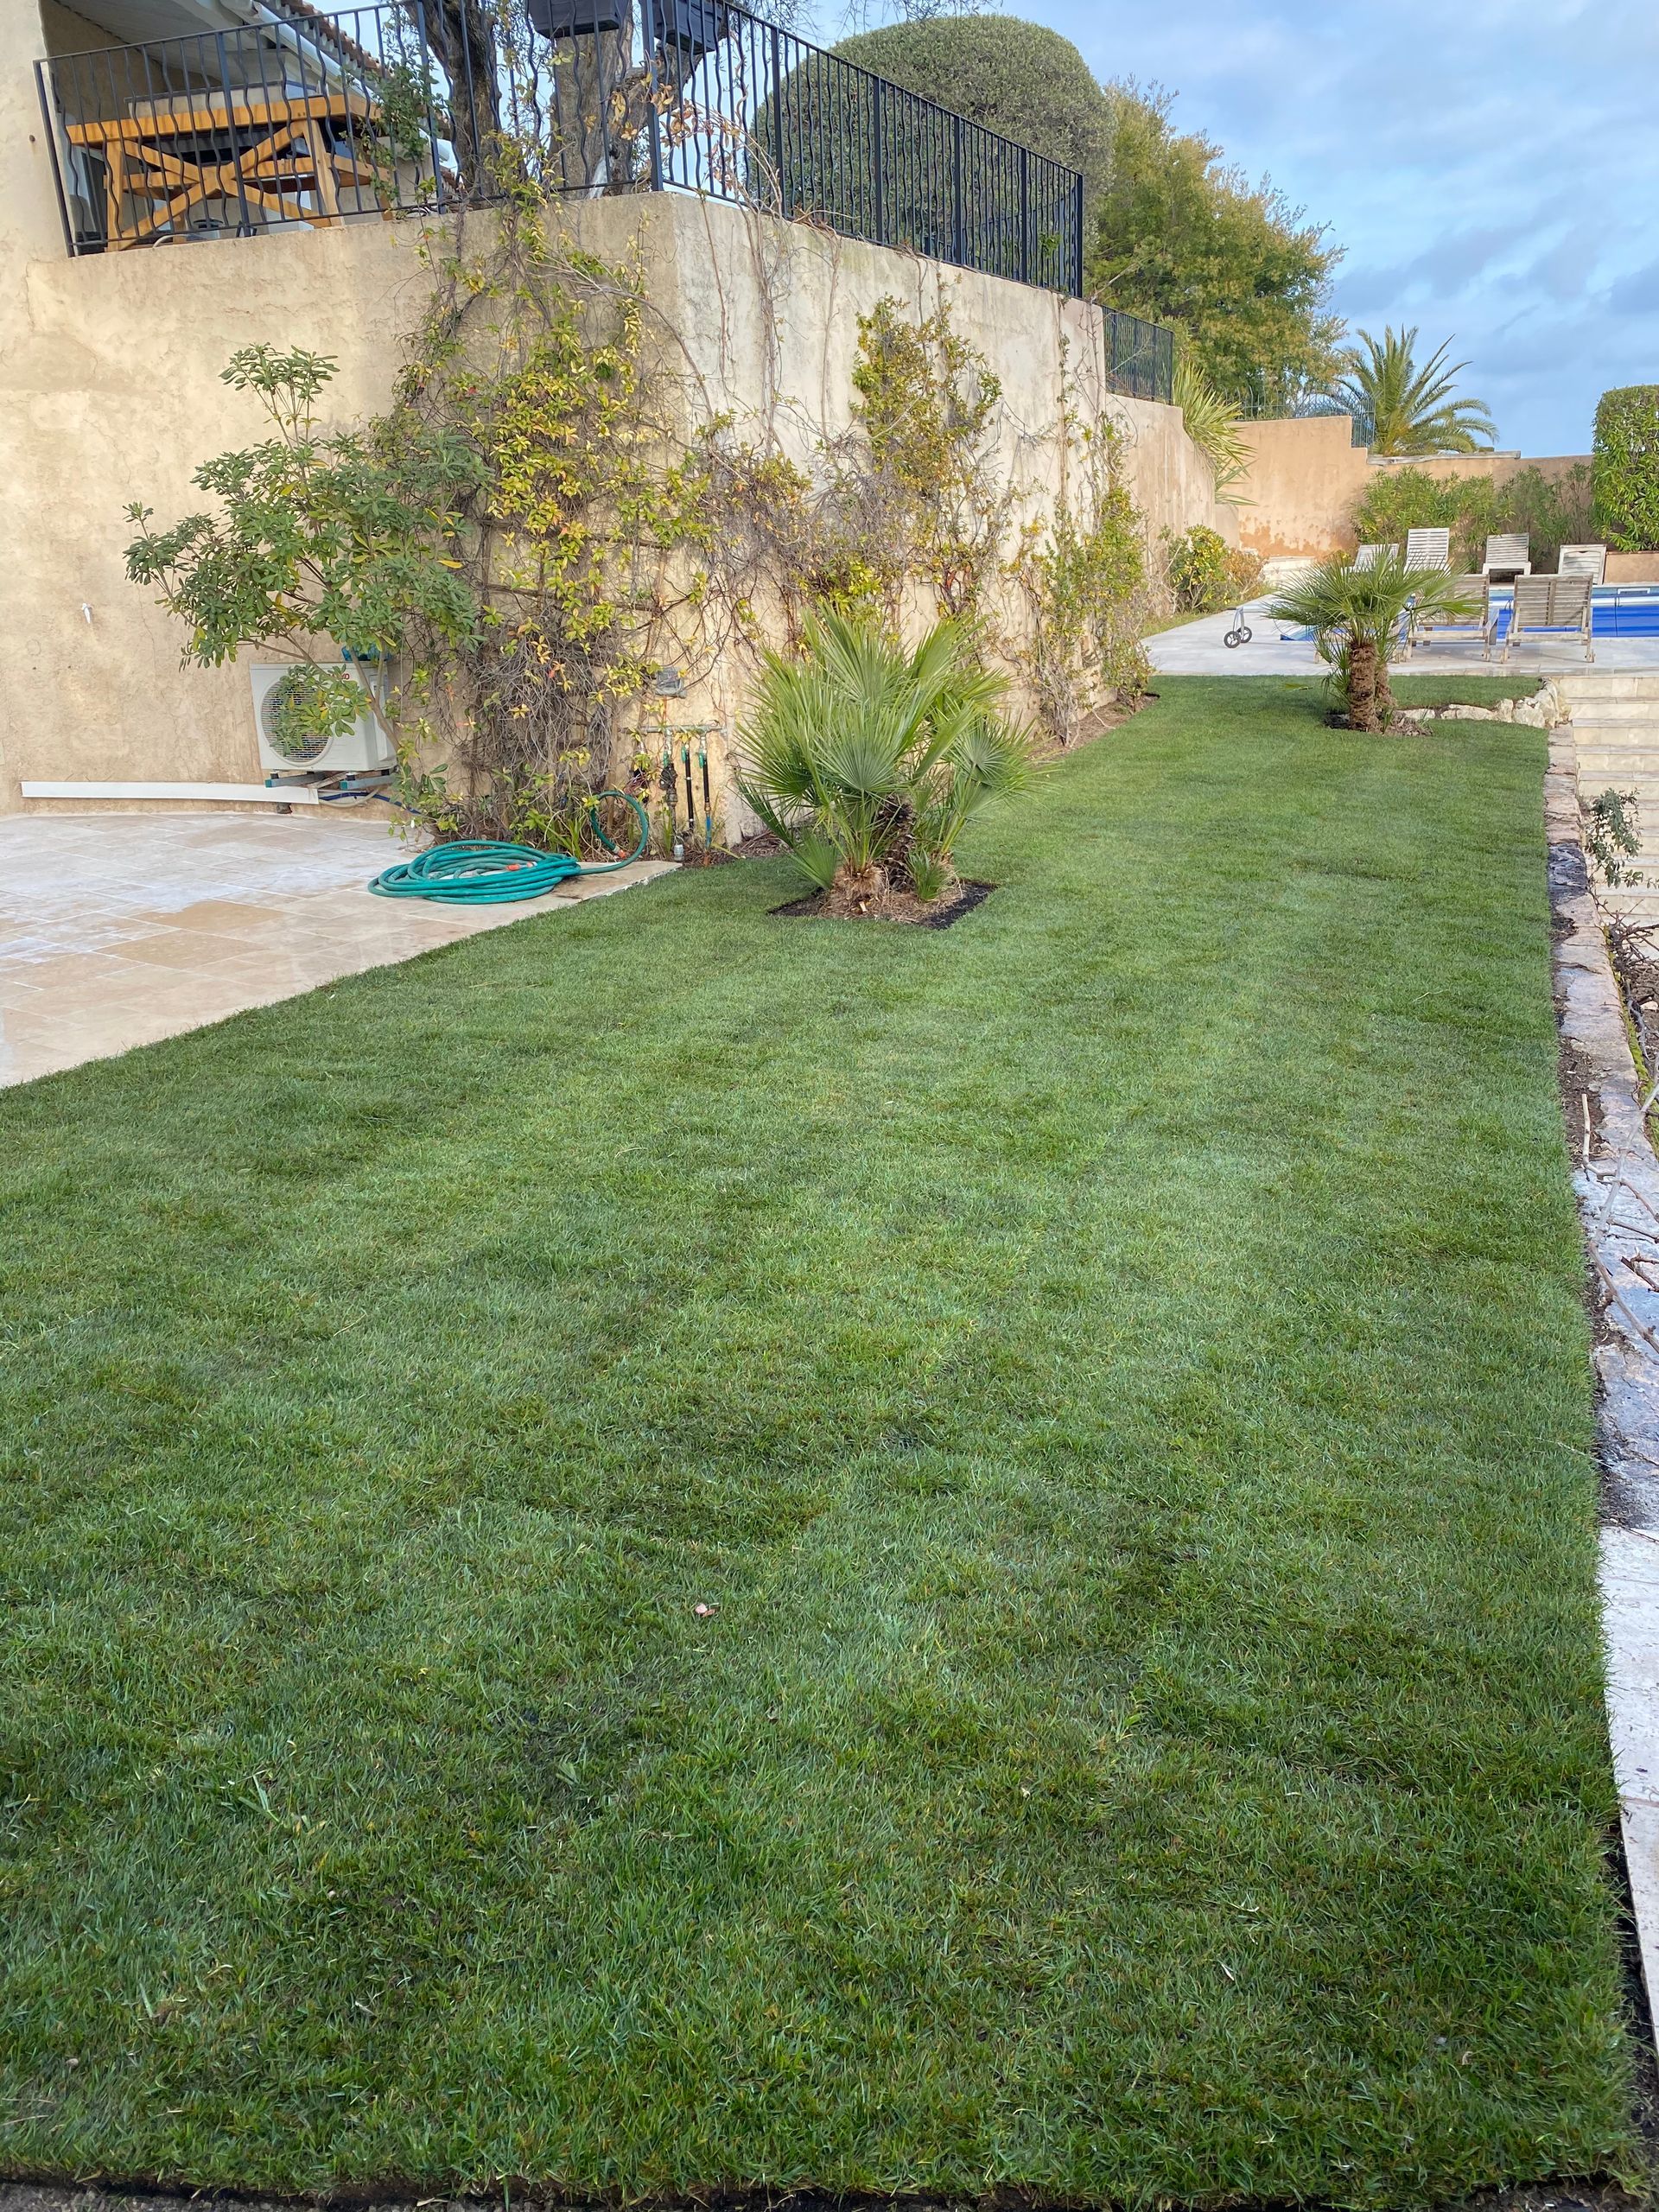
{"type": "Point", "coordinates": [116, 930]}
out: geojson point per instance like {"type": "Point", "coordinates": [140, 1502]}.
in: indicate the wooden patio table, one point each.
{"type": "Point", "coordinates": [279, 149]}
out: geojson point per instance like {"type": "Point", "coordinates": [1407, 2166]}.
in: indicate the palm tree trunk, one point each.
{"type": "Point", "coordinates": [1363, 666]}
{"type": "Point", "coordinates": [1384, 695]}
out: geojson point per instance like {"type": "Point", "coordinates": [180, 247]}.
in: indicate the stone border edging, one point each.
{"type": "Point", "coordinates": [1617, 1182]}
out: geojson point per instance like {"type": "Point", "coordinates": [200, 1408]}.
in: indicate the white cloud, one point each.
{"type": "Point", "coordinates": [1487, 166]}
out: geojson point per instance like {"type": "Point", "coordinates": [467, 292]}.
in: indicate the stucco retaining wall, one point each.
{"type": "Point", "coordinates": [110, 393]}
{"type": "Point", "coordinates": [1305, 475]}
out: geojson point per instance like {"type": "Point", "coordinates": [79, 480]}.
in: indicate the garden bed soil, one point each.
{"type": "Point", "coordinates": [892, 906]}
{"type": "Point", "coordinates": [1632, 948]}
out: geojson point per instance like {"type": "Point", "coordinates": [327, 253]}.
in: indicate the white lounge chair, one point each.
{"type": "Point", "coordinates": [1368, 556]}
{"type": "Point", "coordinates": [1583, 561]}
{"type": "Point", "coordinates": [1428, 549]}
{"type": "Point", "coordinates": [1509, 555]}
{"type": "Point", "coordinates": [1548, 605]}
{"type": "Point", "coordinates": [1475, 616]}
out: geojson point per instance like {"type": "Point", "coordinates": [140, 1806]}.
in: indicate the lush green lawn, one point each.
{"type": "Point", "coordinates": [1116, 1368]}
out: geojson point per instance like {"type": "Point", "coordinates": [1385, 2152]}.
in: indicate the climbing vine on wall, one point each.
{"type": "Point", "coordinates": [530, 528]}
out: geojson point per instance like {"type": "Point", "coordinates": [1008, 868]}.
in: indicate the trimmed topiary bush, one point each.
{"type": "Point", "coordinates": [1626, 468]}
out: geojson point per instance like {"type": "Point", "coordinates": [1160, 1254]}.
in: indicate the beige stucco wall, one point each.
{"type": "Point", "coordinates": [1307, 474]}
{"type": "Point", "coordinates": [110, 393]}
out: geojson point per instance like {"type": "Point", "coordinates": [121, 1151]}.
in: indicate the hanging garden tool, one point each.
{"type": "Point", "coordinates": [668, 683]}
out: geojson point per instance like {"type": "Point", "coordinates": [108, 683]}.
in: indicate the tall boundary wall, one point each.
{"type": "Point", "coordinates": [110, 393]}
{"type": "Point", "coordinates": [1306, 474]}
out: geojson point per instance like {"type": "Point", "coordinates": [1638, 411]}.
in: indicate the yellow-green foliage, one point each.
{"type": "Point", "coordinates": [1082, 575]}
{"type": "Point", "coordinates": [927, 403]}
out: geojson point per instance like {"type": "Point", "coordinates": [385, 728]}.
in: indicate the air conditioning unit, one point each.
{"type": "Point", "coordinates": [287, 751]}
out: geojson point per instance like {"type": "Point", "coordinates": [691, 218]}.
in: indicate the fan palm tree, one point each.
{"type": "Point", "coordinates": [1410, 411]}
{"type": "Point", "coordinates": [1358, 617]}
{"type": "Point", "coordinates": [867, 761]}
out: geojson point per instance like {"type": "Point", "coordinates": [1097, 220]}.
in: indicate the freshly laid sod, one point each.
{"type": "Point", "coordinates": [675, 1547]}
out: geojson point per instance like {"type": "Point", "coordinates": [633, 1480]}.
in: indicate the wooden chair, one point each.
{"type": "Point", "coordinates": [1476, 614]}
{"type": "Point", "coordinates": [1509, 555]}
{"type": "Point", "coordinates": [1428, 549]}
{"type": "Point", "coordinates": [1583, 561]}
{"type": "Point", "coordinates": [1549, 605]}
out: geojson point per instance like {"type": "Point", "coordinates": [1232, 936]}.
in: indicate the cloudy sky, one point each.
{"type": "Point", "coordinates": [1489, 166]}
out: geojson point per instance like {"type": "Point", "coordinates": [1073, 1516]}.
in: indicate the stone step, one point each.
{"type": "Point", "coordinates": [1615, 714]}
{"type": "Point", "coordinates": [1618, 760]}
{"type": "Point", "coordinates": [1591, 684]}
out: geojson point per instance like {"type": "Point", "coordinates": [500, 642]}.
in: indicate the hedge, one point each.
{"type": "Point", "coordinates": [1626, 468]}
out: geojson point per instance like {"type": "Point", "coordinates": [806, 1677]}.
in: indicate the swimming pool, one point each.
{"type": "Point", "coordinates": [1617, 611]}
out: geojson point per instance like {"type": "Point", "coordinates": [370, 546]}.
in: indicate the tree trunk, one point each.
{"type": "Point", "coordinates": [461, 36]}
{"type": "Point", "coordinates": [597, 111]}
{"type": "Point", "coordinates": [1384, 695]}
{"type": "Point", "coordinates": [1362, 685]}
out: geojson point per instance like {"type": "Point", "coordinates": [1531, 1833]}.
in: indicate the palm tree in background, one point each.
{"type": "Point", "coordinates": [1409, 410]}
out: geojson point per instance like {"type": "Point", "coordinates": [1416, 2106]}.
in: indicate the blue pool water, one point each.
{"type": "Point", "coordinates": [1617, 611]}
{"type": "Point", "coordinates": [1622, 611]}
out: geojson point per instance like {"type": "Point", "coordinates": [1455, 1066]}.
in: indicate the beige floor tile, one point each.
{"type": "Point", "coordinates": [116, 932]}
{"type": "Point", "coordinates": [183, 949]}
{"type": "Point", "coordinates": [220, 917]}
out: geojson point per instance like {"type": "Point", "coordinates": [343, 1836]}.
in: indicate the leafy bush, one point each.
{"type": "Point", "coordinates": [1084, 583]}
{"type": "Point", "coordinates": [1552, 510]}
{"type": "Point", "coordinates": [1171, 232]}
{"type": "Point", "coordinates": [321, 541]}
{"type": "Point", "coordinates": [1626, 468]}
{"type": "Point", "coordinates": [1611, 838]}
{"type": "Point", "coordinates": [1018, 79]}
{"type": "Point", "coordinates": [1357, 616]}
{"type": "Point", "coordinates": [867, 761]}
{"type": "Point", "coordinates": [1206, 573]}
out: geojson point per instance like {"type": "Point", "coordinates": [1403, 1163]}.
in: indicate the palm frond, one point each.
{"type": "Point", "coordinates": [849, 744]}
{"type": "Point", "coordinates": [1411, 410]}
{"type": "Point", "coordinates": [1211, 424]}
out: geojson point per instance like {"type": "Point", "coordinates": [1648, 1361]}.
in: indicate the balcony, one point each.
{"type": "Point", "coordinates": [285, 113]}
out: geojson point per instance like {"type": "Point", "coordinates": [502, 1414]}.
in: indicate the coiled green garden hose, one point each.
{"type": "Point", "coordinates": [473, 872]}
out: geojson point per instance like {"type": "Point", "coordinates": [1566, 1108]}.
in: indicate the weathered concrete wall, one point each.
{"type": "Point", "coordinates": [110, 393]}
{"type": "Point", "coordinates": [1306, 474]}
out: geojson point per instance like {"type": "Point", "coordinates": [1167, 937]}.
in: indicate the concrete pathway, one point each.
{"type": "Point", "coordinates": [1196, 649]}
{"type": "Point", "coordinates": [117, 930]}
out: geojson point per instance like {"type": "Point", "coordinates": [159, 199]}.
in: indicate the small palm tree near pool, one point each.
{"type": "Point", "coordinates": [867, 761]}
{"type": "Point", "coordinates": [1410, 409]}
{"type": "Point", "coordinates": [1359, 619]}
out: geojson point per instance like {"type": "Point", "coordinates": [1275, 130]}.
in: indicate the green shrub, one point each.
{"type": "Point", "coordinates": [867, 761]}
{"type": "Point", "coordinates": [1206, 573]}
{"type": "Point", "coordinates": [1626, 468]}
{"type": "Point", "coordinates": [1358, 618]}
{"type": "Point", "coordinates": [1552, 510]}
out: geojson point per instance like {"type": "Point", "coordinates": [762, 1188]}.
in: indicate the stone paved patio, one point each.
{"type": "Point", "coordinates": [117, 930]}
{"type": "Point", "coordinates": [1196, 649]}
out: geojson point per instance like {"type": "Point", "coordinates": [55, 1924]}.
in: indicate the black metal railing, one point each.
{"type": "Point", "coordinates": [1139, 356]}
{"type": "Point", "coordinates": [241, 131]}
{"type": "Point", "coordinates": [1254, 409]}
{"type": "Point", "coordinates": [382, 108]}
